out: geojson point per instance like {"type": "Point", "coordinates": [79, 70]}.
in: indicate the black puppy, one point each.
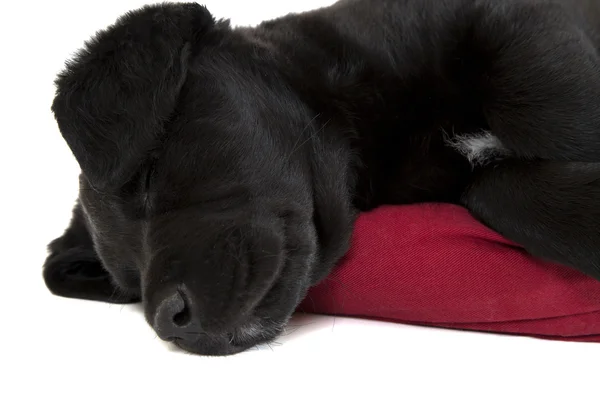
{"type": "Point", "coordinates": [222, 168]}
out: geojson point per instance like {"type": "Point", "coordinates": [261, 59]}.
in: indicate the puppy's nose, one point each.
{"type": "Point", "coordinates": [174, 321]}
{"type": "Point", "coordinates": [173, 318]}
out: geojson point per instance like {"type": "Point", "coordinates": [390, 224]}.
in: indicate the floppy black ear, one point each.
{"type": "Point", "coordinates": [73, 269]}
{"type": "Point", "coordinates": [114, 97]}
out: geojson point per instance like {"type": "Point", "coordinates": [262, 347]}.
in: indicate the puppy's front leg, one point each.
{"type": "Point", "coordinates": [551, 208]}
{"type": "Point", "coordinates": [73, 269]}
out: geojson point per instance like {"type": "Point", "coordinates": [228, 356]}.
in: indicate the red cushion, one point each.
{"type": "Point", "coordinates": [435, 265]}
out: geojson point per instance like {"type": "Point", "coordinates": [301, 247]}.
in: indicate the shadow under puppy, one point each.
{"type": "Point", "coordinates": [222, 168]}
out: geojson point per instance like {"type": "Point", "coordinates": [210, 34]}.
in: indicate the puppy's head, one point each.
{"type": "Point", "coordinates": [210, 191]}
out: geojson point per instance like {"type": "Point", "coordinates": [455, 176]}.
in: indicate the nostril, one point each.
{"type": "Point", "coordinates": [183, 317]}
{"type": "Point", "coordinates": [172, 315]}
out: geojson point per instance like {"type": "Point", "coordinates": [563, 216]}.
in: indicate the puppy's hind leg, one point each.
{"type": "Point", "coordinates": [541, 99]}
{"type": "Point", "coordinates": [551, 208]}
{"type": "Point", "coordinates": [539, 81]}
{"type": "Point", "coordinates": [73, 269]}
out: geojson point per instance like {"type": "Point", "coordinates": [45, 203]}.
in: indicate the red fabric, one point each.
{"type": "Point", "coordinates": [435, 265]}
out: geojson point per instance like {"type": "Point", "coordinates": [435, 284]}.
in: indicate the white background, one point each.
{"type": "Point", "coordinates": [52, 347]}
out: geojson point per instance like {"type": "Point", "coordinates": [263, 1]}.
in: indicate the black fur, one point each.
{"type": "Point", "coordinates": [222, 168]}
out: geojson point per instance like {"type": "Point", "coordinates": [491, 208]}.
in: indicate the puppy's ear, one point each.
{"type": "Point", "coordinates": [114, 97]}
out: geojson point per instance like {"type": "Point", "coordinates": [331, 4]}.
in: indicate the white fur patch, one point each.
{"type": "Point", "coordinates": [250, 332]}
{"type": "Point", "coordinates": [478, 148]}
{"type": "Point", "coordinates": [256, 330]}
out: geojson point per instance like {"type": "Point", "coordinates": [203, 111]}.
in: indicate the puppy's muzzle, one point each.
{"type": "Point", "coordinates": [202, 296]}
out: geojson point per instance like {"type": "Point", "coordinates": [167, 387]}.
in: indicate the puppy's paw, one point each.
{"type": "Point", "coordinates": [78, 273]}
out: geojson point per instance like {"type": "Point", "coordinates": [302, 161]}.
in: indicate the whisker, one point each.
{"type": "Point", "coordinates": [304, 129]}
{"type": "Point", "coordinates": [311, 136]}
{"type": "Point", "coordinates": [288, 332]}
{"type": "Point", "coordinates": [301, 325]}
